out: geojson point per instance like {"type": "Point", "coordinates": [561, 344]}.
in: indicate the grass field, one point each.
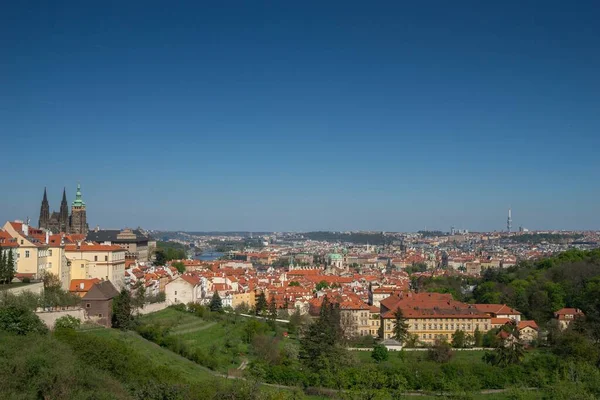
{"type": "Point", "coordinates": [189, 371]}
{"type": "Point", "coordinates": [221, 341]}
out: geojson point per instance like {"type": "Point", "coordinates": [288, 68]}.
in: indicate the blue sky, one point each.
{"type": "Point", "coordinates": [304, 115]}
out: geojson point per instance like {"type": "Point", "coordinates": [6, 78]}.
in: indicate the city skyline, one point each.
{"type": "Point", "coordinates": [307, 117]}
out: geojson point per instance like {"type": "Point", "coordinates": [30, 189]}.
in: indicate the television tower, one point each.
{"type": "Point", "coordinates": [509, 221]}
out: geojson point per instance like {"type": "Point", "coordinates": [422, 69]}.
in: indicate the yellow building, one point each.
{"type": "Point", "coordinates": [105, 262]}
{"type": "Point", "coordinates": [432, 316]}
{"type": "Point", "coordinates": [32, 253]}
{"type": "Point", "coordinates": [239, 298]}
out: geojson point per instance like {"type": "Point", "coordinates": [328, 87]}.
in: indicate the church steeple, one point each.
{"type": "Point", "coordinates": [63, 216]}
{"type": "Point", "coordinates": [78, 200]}
{"type": "Point", "coordinates": [44, 212]}
{"type": "Point", "coordinates": [78, 222]}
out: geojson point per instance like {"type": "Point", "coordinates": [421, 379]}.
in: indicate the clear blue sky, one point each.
{"type": "Point", "coordinates": [289, 115]}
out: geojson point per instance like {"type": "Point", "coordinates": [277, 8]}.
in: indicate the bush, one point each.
{"type": "Point", "coordinates": [21, 321]}
{"type": "Point", "coordinates": [379, 353]}
{"type": "Point", "coordinates": [26, 280]}
{"type": "Point", "coordinates": [440, 352]}
{"type": "Point", "coordinates": [67, 322]}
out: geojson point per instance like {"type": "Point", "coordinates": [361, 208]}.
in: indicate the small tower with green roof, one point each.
{"type": "Point", "coordinates": [78, 214]}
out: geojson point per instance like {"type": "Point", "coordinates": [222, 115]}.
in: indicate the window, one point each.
{"type": "Point", "coordinates": [88, 305]}
{"type": "Point", "coordinates": [26, 253]}
{"type": "Point", "coordinates": [50, 253]}
{"type": "Point", "coordinates": [105, 258]}
{"type": "Point", "coordinates": [176, 293]}
{"type": "Point", "coordinates": [81, 265]}
{"type": "Point", "coordinates": [95, 258]}
{"type": "Point", "coordinates": [99, 315]}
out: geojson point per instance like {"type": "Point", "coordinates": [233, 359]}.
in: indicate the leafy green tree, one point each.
{"type": "Point", "coordinates": [160, 257]}
{"type": "Point", "coordinates": [478, 338]}
{"type": "Point", "coordinates": [10, 267]}
{"type": "Point", "coordinates": [261, 304]}
{"type": "Point", "coordinates": [179, 265]}
{"type": "Point", "coordinates": [459, 339]}
{"type": "Point", "coordinates": [294, 283]}
{"type": "Point", "coordinates": [2, 267]}
{"type": "Point", "coordinates": [321, 345]}
{"type": "Point", "coordinates": [20, 320]}
{"type": "Point", "coordinates": [322, 285]}
{"type": "Point", "coordinates": [400, 329]}
{"type": "Point", "coordinates": [216, 305]}
{"type": "Point", "coordinates": [139, 298]}
{"type": "Point", "coordinates": [379, 353]}
{"type": "Point", "coordinates": [272, 311]}
{"type": "Point", "coordinates": [122, 311]}
{"type": "Point", "coordinates": [509, 352]}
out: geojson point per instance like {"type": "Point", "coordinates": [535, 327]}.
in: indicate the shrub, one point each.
{"type": "Point", "coordinates": [440, 352]}
{"type": "Point", "coordinates": [379, 353]}
{"type": "Point", "coordinates": [67, 322]}
{"type": "Point", "coordinates": [21, 321]}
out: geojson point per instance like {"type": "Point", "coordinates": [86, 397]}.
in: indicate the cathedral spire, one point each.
{"type": "Point", "coordinates": [64, 199]}
{"type": "Point", "coordinates": [44, 212]}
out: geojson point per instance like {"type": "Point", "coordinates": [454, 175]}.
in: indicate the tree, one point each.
{"type": "Point", "coordinates": [400, 330]}
{"type": "Point", "coordinates": [321, 344]}
{"type": "Point", "coordinates": [261, 304]}
{"type": "Point", "coordinates": [139, 299]}
{"type": "Point", "coordinates": [179, 265]}
{"type": "Point", "coordinates": [478, 338]}
{"type": "Point", "coordinates": [459, 339]}
{"type": "Point", "coordinates": [51, 281]}
{"type": "Point", "coordinates": [20, 320]}
{"type": "Point", "coordinates": [3, 266]}
{"type": "Point", "coordinates": [216, 305]}
{"type": "Point", "coordinates": [322, 285]}
{"type": "Point", "coordinates": [160, 258]}
{"type": "Point", "coordinates": [379, 353]}
{"type": "Point", "coordinates": [122, 311]}
{"type": "Point", "coordinates": [509, 352]}
{"type": "Point", "coordinates": [294, 283]}
{"type": "Point", "coordinates": [440, 352]}
{"type": "Point", "coordinates": [10, 267]}
{"type": "Point", "coordinates": [272, 311]}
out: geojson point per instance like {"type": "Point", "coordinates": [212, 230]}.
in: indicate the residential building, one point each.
{"type": "Point", "coordinates": [92, 260]}
{"type": "Point", "coordinates": [567, 315]}
{"type": "Point", "coordinates": [97, 302]}
{"type": "Point", "coordinates": [184, 289]}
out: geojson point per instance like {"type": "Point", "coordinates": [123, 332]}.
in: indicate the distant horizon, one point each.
{"type": "Point", "coordinates": [304, 116]}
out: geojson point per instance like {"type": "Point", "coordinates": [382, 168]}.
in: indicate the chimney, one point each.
{"type": "Point", "coordinates": [25, 229]}
{"type": "Point", "coordinates": [47, 237]}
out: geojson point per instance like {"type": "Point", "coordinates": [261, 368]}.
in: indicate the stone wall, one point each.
{"type": "Point", "coordinates": [150, 308]}
{"type": "Point", "coordinates": [37, 288]}
{"type": "Point", "coordinates": [50, 317]}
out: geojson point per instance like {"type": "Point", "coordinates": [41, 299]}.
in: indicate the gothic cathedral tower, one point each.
{"type": "Point", "coordinates": [78, 214]}
{"type": "Point", "coordinates": [63, 216]}
{"type": "Point", "coordinates": [44, 212]}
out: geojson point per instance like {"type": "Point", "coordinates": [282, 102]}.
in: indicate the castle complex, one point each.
{"type": "Point", "coordinates": [61, 221]}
